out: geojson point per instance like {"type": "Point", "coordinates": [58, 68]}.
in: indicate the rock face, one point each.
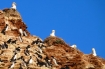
{"type": "Point", "coordinates": [24, 51]}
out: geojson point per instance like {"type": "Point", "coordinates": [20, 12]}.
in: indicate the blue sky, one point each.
{"type": "Point", "coordinates": [80, 22]}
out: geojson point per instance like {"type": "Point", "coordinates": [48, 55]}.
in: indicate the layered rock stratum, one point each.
{"type": "Point", "coordinates": [18, 46]}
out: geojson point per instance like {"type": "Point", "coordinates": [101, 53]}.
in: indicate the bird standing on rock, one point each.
{"type": "Point", "coordinates": [74, 46]}
{"type": "Point", "coordinates": [6, 29]}
{"type": "Point", "coordinates": [94, 52]}
{"type": "Point", "coordinates": [21, 31]}
{"type": "Point", "coordinates": [13, 5]}
{"type": "Point", "coordinates": [53, 33]}
{"type": "Point", "coordinates": [24, 33]}
{"type": "Point", "coordinates": [30, 60]}
{"type": "Point", "coordinates": [20, 38]}
{"type": "Point", "coordinates": [54, 60]}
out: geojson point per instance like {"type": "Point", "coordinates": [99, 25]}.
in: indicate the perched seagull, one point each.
{"type": "Point", "coordinates": [30, 60]}
{"type": "Point", "coordinates": [40, 50]}
{"type": "Point", "coordinates": [94, 52]}
{"type": "Point", "coordinates": [54, 60]}
{"type": "Point", "coordinates": [20, 39]}
{"type": "Point", "coordinates": [53, 33]}
{"type": "Point", "coordinates": [6, 27]}
{"type": "Point", "coordinates": [13, 5]}
{"type": "Point", "coordinates": [21, 31]}
{"type": "Point", "coordinates": [24, 32]}
{"type": "Point", "coordinates": [74, 46]}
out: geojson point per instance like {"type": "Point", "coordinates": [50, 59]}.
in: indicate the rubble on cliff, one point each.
{"type": "Point", "coordinates": [25, 51]}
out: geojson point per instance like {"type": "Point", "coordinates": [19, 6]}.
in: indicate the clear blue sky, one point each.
{"type": "Point", "coordinates": [80, 22]}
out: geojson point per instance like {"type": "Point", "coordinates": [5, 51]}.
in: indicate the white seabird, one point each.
{"type": "Point", "coordinates": [30, 60]}
{"type": "Point", "coordinates": [25, 33]}
{"type": "Point", "coordinates": [40, 50]}
{"type": "Point", "coordinates": [21, 31]}
{"type": "Point", "coordinates": [74, 46]}
{"type": "Point", "coordinates": [53, 33]}
{"type": "Point", "coordinates": [6, 27]}
{"type": "Point", "coordinates": [13, 5]}
{"type": "Point", "coordinates": [54, 60]}
{"type": "Point", "coordinates": [94, 52]}
{"type": "Point", "coordinates": [20, 39]}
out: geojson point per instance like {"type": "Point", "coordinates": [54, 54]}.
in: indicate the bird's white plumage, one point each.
{"type": "Point", "coordinates": [53, 33]}
{"type": "Point", "coordinates": [55, 61]}
{"type": "Point", "coordinates": [20, 39]}
{"type": "Point", "coordinates": [25, 33]}
{"type": "Point", "coordinates": [21, 31]}
{"type": "Point", "coordinates": [30, 61]}
{"type": "Point", "coordinates": [94, 52]}
{"type": "Point", "coordinates": [13, 5]}
{"type": "Point", "coordinates": [15, 56]}
{"type": "Point", "coordinates": [40, 50]}
{"type": "Point", "coordinates": [12, 65]}
{"type": "Point", "coordinates": [74, 46]}
{"type": "Point", "coordinates": [6, 28]}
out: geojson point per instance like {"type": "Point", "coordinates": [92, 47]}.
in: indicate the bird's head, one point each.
{"type": "Point", "coordinates": [93, 49]}
{"type": "Point", "coordinates": [13, 4]}
{"type": "Point", "coordinates": [53, 31]}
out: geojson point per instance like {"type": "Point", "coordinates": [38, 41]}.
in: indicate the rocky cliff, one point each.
{"type": "Point", "coordinates": [20, 50]}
